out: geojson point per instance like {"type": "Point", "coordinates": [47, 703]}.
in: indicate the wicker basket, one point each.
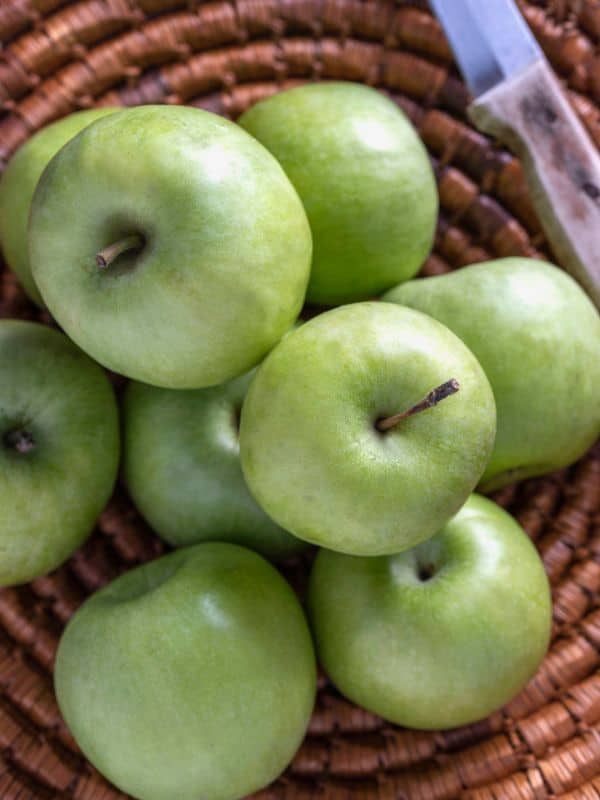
{"type": "Point", "coordinates": [223, 55]}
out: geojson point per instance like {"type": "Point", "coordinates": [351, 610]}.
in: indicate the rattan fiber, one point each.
{"type": "Point", "coordinates": [58, 56]}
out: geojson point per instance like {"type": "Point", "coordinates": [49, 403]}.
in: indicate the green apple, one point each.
{"type": "Point", "coordinates": [537, 337]}
{"type": "Point", "coordinates": [365, 180]}
{"type": "Point", "coordinates": [170, 246]}
{"type": "Point", "coordinates": [190, 677]}
{"type": "Point", "coordinates": [331, 442]}
{"type": "Point", "coordinates": [59, 448]}
{"type": "Point", "coordinates": [440, 635]}
{"type": "Point", "coordinates": [18, 183]}
{"type": "Point", "coordinates": [182, 467]}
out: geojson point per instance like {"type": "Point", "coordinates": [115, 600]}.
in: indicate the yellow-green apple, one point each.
{"type": "Point", "coordinates": [170, 245]}
{"type": "Point", "coordinates": [366, 429]}
{"type": "Point", "coordinates": [364, 177]}
{"type": "Point", "coordinates": [190, 677]}
{"type": "Point", "coordinates": [537, 336]}
{"type": "Point", "coordinates": [440, 635]}
{"type": "Point", "coordinates": [59, 448]}
{"type": "Point", "coordinates": [18, 183]}
{"type": "Point", "coordinates": [182, 468]}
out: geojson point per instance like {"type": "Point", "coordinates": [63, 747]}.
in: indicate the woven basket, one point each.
{"type": "Point", "coordinates": [59, 56]}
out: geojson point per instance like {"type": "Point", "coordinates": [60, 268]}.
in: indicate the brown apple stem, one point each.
{"type": "Point", "coordinates": [105, 257]}
{"type": "Point", "coordinates": [20, 440]}
{"type": "Point", "coordinates": [429, 401]}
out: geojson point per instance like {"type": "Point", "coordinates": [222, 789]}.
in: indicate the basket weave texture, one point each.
{"type": "Point", "coordinates": [58, 56]}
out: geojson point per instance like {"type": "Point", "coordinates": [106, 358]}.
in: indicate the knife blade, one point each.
{"type": "Point", "coordinates": [520, 101]}
{"type": "Point", "coordinates": [491, 40]}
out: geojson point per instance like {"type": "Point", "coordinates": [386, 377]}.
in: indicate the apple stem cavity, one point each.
{"type": "Point", "coordinates": [19, 440]}
{"type": "Point", "coordinates": [106, 257]}
{"type": "Point", "coordinates": [425, 573]}
{"type": "Point", "coordinates": [434, 397]}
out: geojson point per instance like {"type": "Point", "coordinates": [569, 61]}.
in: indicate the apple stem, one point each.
{"type": "Point", "coordinates": [20, 440]}
{"type": "Point", "coordinates": [105, 257]}
{"type": "Point", "coordinates": [429, 401]}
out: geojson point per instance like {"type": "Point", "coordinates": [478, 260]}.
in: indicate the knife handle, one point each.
{"type": "Point", "coordinates": [531, 114]}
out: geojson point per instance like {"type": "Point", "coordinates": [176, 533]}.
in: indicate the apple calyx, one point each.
{"type": "Point", "coordinates": [237, 417]}
{"type": "Point", "coordinates": [429, 401]}
{"type": "Point", "coordinates": [106, 256]}
{"type": "Point", "coordinates": [19, 440]}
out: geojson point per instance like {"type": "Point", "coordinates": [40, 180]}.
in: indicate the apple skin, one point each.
{"type": "Point", "coordinates": [442, 652]}
{"type": "Point", "coordinates": [337, 481]}
{"type": "Point", "coordinates": [18, 183]}
{"type": "Point", "coordinates": [182, 468]}
{"type": "Point", "coordinates": [224, 268]}
{"type": "Point", "coordinates": [51, 495]}
{"type": "Point", "coordinates": [190, 677]}
{"type": "Point", "coordinates": [365, 179]}
{"type": "Point", "coordinates": [537, 336]}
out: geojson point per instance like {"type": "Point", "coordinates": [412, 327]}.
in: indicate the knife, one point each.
{"type": "Point", "coordinates": [519, 100]}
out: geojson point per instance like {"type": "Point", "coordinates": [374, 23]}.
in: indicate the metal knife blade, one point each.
{"type": "Point", "coordinates": [490, 39]}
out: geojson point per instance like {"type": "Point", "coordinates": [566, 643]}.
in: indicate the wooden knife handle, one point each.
{"type": "Point", "coordinates": [531, 114]}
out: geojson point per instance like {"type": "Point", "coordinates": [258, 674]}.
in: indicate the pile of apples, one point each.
{"type": "Point", "coordinates": [178, 249]}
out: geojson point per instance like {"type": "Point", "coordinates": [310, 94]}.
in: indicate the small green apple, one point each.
{"type": "Point", "coordinates": [190, 677]}
{"type": "Point", "coordinates": [182, 467]}
{"type": "Point", "coordinates": [437, 636]}
{"type": "Point", "coordinates": [18, 183]}
{"type": "Point", "coordinates": [365, 179]}
{"type": "Point", "coordinates": [331, 442]}
{"type": "Point", "coordinates": [59, 448]}
{"type": "Point", "coordinates": [537, 337]}
{"type": "Point", "coordinates": [170, 245]}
